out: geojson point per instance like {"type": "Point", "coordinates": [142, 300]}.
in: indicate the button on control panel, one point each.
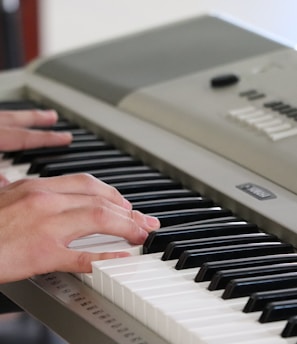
{"type": "Point", "coordinates": [224, 80]}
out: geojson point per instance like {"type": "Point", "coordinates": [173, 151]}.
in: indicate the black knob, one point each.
{"type": "Point", "coordinates": [224, 80]}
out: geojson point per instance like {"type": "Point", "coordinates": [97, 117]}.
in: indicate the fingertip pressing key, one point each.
{"type": "Point", "coordinates": [152, 222]}
{"type": "Point", "coordinates": [45, 117]}
{"type": "Point", "coordinates": [65, 137]}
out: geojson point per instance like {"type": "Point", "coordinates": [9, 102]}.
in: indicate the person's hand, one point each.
{"type": "Point", "coordinates": [40, 217]}
{"type": "Point", "coordinates": [14, 134]}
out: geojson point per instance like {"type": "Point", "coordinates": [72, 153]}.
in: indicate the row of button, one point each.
{"type": "Point", "coordinates": [274, 105]}
{"type": "Point", "coordinates": [252, 94]}
{"type": "Point", "coordinates": [282, 108]}
{"type": "Point", "coordinates": [272, 125]}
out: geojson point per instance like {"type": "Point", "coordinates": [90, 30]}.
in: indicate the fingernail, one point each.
{"type": "Point", "coordinates": [48, 113]}
{"type": "Point", "coordinates": [52, 113]}
{"type": "Point", "coordinates": [152, 222]}
{"type": "Point", "coordinates": [65, 135]}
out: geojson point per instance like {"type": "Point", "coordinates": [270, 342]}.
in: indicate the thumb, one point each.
{"type": "Point", "coordinates": [77, 261]}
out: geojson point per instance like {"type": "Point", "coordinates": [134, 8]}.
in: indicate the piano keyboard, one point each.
{"type": "Point", "coordinates": [207, 276]}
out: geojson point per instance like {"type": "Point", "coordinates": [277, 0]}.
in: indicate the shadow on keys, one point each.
{"type": "Point", "coordinates": [20, 328]}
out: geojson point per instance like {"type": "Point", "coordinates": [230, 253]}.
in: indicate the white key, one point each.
{"type": "Point", "coordinates": [119, 262]}
{"type": "Point", "coordinates": [260, 119]}
{"type": "Point", "coordinates": [130, 290]}
{"type": "Point", "coordinates": [86, 278]}
{"type": "Point", "coordinates": [283, 134]}
{"type": "Point", "coordinates": [104, 271]}
{"type": "Point", "coordinates": [240, 111]}
{"type": "Point", "coordinates": [5, 163]}
{"type": "Point", "coordinates": [143, 298]}
{"type": "Point", "coordinates": [268, 124]}
{"type": "Point", "coordinates": [16, 172]}
{"type": "Point", "coordinates": [91, 240]}
{"type": "Point", "coordinates": [233, 332]}
{"type": "Point", "coordinates": [200, 316]}
{"type": "Point", "coordinates": [116, 246]}
{"type": "Point", "coordinates": [277, 128]}
{"type": "Point", "coordinates": [244, 118]}
{"type": "Point", "coordinates": [167, 308]}
{"type": "Point", "coordinates": [124, 284]}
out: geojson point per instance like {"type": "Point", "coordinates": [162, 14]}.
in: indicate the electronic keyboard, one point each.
{"type": "Point", "coordinates": [196, 123]}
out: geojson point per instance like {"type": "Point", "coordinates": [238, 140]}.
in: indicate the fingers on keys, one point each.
{"type": "Point", "coordinates": [73, 206]}
{"type": "Point", "coordinates": [20, 138]}
{"type": "Point", "coordinates": [28, 118]}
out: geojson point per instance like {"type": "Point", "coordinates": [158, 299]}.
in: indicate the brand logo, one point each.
{"type": "Point", "coordinates": [256, 191]}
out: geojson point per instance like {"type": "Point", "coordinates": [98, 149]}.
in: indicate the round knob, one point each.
{"type": "Point", "coordinates": [224, 80]}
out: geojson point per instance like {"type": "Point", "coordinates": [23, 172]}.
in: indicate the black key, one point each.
{"type": "Point", "coordinates": [258, 301]}
{"type": "Point", "coordinates": [61, 125]}
{"type": "Point", "coordinates": [289, 111]}
{"type": "Point", "coordinates": [284, 108]}
{"type": "Point", "coordinates": [272, 104]}
{"type": "Point", "coordinates": [7, 306]}
{"type": "Point", "coordinates": [172, 204]}
{"type": "Point", "coordinates": [290, 329]}
{"type": "Point", "coordinates": [133, 177]}
{"type": "Point", "coordinates": [174, 217]}
{"type": "Point", "coordinates": [246, 286]}
{"type": "Point", "coordinates": [248, 93]}
{"type": "Point", "coordinates": [79, 133]}
{"type": "Point", "coordinates": [39, 163]}
{"type": "Point", "coordinates": [77, 147]}
{"type": "Point", "coordinates": [84, 138]}
{"type": "Point", "coordinates": [195, 258]}
{"type": "Point", "coordinates": [120, 171]}
{"type": "Point", "coordinates": [82, 166]}
{"type": "Point", "coordinates": [218, 220]}
{"type": "Point", "coordinates": [9, 155]}
{"type": "Point", "coordinates": [280, 310]}
{"type": "Point", "coordinates": [279, 107]}
{"type": "Point", "coordinates": [76, 133]}
{"type": "Point", "coordinates": [158, 240]}
{"type": "Point", "coordinates": [175, 249]}
{"type": "Point", "coordinates": [145, 186]}
{"type": "Point", "coordinates": [223, 277]}
{"type": "Point", "coordinates": [159, 194]}
{"type": "Point", "coordinates": [20, 105]}
{"type": "Point", "coordinates": [292, 114]}
{"type": "Point", "coordinates": [208, 269]}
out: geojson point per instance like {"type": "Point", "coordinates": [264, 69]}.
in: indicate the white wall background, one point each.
{"type": "Point", "coordinates": [67, 24]}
